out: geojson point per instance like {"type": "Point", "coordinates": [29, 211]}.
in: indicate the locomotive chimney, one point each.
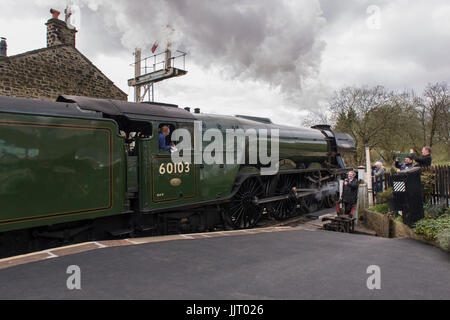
{"type": "Point", "coordinates": [3, 47]}
{"type": "Point", "coordinates": [187, 109]}
{"type": "Point", "coordinates": [58, 32]}
{"type": "Point", "coordinates": [197, 110]}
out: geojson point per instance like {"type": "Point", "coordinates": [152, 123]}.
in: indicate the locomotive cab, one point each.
{"type": "Point", "coordinates": [153, 180]}
{"type": "Point", "coordinates": [171, 182]}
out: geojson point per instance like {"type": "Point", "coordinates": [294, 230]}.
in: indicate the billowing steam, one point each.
{"type": "Point", "coordinates": [329, 189]}
{"type": "Point", "coordinates": [274, 42]}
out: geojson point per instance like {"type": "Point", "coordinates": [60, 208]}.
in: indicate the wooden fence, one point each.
{"type": "Point", "coordinates": [441, 187]}
{"type": "Point", "coordinates": [435, 183]}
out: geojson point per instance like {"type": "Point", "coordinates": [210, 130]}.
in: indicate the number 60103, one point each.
{"type": "Point", "coordinates": [174, 168]}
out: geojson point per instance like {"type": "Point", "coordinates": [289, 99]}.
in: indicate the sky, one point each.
{"type": "Point", "coordinates": [281, 59]}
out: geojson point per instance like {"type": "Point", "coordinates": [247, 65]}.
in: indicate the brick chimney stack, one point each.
{"type": "Point", "coordinates": [58, 32]}
{"type": "Point", "coordinates": [3, 47]}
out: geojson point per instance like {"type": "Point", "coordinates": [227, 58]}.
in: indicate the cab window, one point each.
{"type": "Point", "coordinates": [131, 130]}
{"type": "Point", "coordinates": [167, 129]}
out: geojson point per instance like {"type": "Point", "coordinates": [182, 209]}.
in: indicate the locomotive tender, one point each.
{"type": "Point", "coordinates": [83, 169]}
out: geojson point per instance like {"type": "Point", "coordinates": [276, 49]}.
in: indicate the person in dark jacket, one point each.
{"type": "Point", "coordinates": [408, 164]}
{"type": "Point", "coordinates": [425, 160]}
{"type": "Point", "coordinates": [350, 193]}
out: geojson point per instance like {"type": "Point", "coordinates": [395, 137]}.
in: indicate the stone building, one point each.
{"type": "Point", "coordinates": [55, 70]}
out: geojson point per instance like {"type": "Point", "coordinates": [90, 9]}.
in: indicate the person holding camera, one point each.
{"type": "Point", "coordinates": [407, 164]}
{"type": "Point", "coordinates": [425, 160]}
{"type": "Point", "coordinates": [350, 193]}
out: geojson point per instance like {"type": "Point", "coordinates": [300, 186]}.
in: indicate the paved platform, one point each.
{"type": "Point", "coordinates": [290, 263]}
{"type": "Point", "coordinates": [299, 223]}
{"type": "Point", "coordinates": [95, 245]}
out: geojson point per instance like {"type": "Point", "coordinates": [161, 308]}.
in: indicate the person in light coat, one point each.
{"type": "Point", "coordinates": [378, 175]}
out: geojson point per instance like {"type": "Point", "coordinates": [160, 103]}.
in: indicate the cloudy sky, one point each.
{"type": "Point", "coordinates": [273, 58]}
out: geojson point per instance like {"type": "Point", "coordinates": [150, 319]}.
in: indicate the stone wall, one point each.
{"type": "Point", "coordinates": [378, 222]}
{"type": "Point", "coordinates": [49, 72]}
{"type": "Point", "coordinates": [386, 227]}
{"type": "Point", "coordinates": [401, 230]}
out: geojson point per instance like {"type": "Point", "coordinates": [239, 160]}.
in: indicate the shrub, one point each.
{"type": "Point", "coordinates": [434, 212]}
{"type": "Point", "coordinates": [431, 228]}
{"type": "Point", "coordinates": [444, 239]}
{"type": "Point", "coordinates": [385, 196]}
{"type": "Point", "coordinates": [381, 208]}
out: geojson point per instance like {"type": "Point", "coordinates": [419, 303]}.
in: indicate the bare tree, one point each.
{"type": "Point", "coordinates": [315, 118]}
{"type": "Point", "coordinates": [391, 121]}
{"type": "Point", "coordinates": [368, 114]}
{"type": "Point", "coordinates": [388, 121]}
{"type": "Point", "coordinates": [436, 112]}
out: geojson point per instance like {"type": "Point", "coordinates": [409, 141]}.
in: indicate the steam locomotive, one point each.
{"type": "Point", "coordinates": [81, 169]}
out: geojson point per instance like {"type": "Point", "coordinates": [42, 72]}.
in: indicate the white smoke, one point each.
{"type": "Point", "coordinates": [272, 42]}
{"type": "Point", "coordinates": [328, 190]}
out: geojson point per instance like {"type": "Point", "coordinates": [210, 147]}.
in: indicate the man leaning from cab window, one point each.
{"type": "Point", "coordinates": [163, 133]}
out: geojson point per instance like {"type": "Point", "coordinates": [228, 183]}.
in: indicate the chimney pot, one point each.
{"type": "Point", "coordinates": [55, 13]}
{"type": "Point", "coordinates": [58, 33]}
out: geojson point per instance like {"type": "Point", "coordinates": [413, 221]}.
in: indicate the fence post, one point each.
{"type": "Point", "coordinates": [369, 175]}
{"type": "Point", "coordinates": [447, 185]}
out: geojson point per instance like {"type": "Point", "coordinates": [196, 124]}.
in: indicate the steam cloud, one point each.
{"type": "Point", "coordinates": [274, 42]}
{"type": "Point", "coordinates": [327, 190]}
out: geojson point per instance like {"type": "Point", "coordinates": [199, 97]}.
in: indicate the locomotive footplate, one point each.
{"type": "Point", "coordinates": [343, 224]}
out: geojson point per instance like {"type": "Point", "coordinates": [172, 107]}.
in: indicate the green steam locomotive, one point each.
{"type": "Point", "coordinates": [83, 168]}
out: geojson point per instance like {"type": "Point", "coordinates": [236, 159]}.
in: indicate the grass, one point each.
{"type": "Point", "coordinates": [381, 208]}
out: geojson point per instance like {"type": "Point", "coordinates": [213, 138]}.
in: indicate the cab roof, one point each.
{"type": "Point", "coordinates": [85, 107]}
{"type": "Point", "coordinates": [128, 109]}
